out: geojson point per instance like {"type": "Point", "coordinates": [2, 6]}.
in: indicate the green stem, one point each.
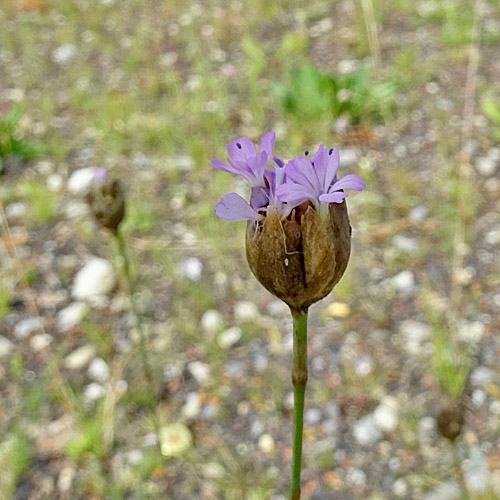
{"type": "Point", "coordinates": [299, 379]}
{"type": "Point", "coordinates": [127, 271]}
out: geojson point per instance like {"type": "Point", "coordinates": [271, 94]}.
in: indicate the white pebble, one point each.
{"type": "Point", "coordinates": [63, 54]}
{"type": "Point", "coordinates": [246, 311]}
{"type": "Point", "coordinates": [71, 315]}
{"type": "Point", "coordinates": [98, 370]}
{"type": "Point", "coordinates": [405, 282]}
{"type": "Point", "coordinates": [93, 392]}
{"type": "Point", "coordinates": [80, 357]}
{"type": "Point", "coordinates": [211, 321]}
{"type": "Point", "coordinates": [81, 181]}
{"type": "Point", "coordinates": [191, 269]}
{"type": "Point", "coordinates": [5, 346]}
{"type": "Point", "coordinates": [386, 417]}
{"type": "Point", "coordinates": [229, 337]}
{"type": "Point", "coordinates": [41, 341]}
{"type": "Point", "coordinates": [96, 279]}
{"type": "Point", "coordinates": [27, 326]}
{"type": "Point", "coordinates": [200, 371]}
{"type": "Point", "coordinates": [366, 432]}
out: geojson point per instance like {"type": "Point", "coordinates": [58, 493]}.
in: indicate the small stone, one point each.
{"type": "Point", "coordinates": [27, 326]}
{"type": "Point", "coordinates": [96, 279]}
{"type": "Point", "coordinates": [16, 210]}
{"type": "Point", "coordinates": [211, 321]}
{"type": "Point", "coordinates": [234, 369]}
{"type": "Point", "coordinates": [5, 346]}
{"type": "Point", "coordinates": [81, 181]}
{"type": "Point", "coordinates": [200, 371]}
{"type": "Point", "coordinates": [366, 432]}
{"type": "Point", "coordinates": [229, 337]}
{"type": "Point", "coordinates": [65, 479]}
{"type": "Point", "coordinates": [405, 282]}
{"type": "Point", "coordinates": [418, 214]}
{"type": "Point", "coordinates": [260, 362]}
{"type": "Point", "coordinates": [492, 237]}
{"type": "Point", "coordinates": [150, 439]}
{"type": "Point", "coordinates": [348, 157]}
{"type": "Point", "coordinates": [191, 269]}
{"type": "Point", "coordinates": [41, 341]}
{"type": "Point", "coordinates": [478, 397]}
{"type": "Point", "coordinates": [245, 311]}
{"type": "Point", "coordinates": [415, 333]}
{"type": "Point", "coordinates": [486, 166]}
{"type": "Point", "coordinates": [445, 491]}
{"type": "Point", "coordinates": [400, 487]}
{"type": "Point", "coordinates": [80, 357]}
{"type": "Point", "coordinates": [71, 315]}
{"type": "Point", "coordinates": [93, 392]}
{"type": "Point", "coordinates": [405, 244]}
{"type": "Point", "coordinates": [63, 54]}
{"type": "Point", "coordinates": [75, 209]}
{"type": "Point", "coordinates": [54, 182]}
{"type": "Point", "coordinates": [312, 416]}
{"type": "Point", "coordinates": [478, 479]}
{"type": "Point", "coordinates": [135, 457]}
{"type": "Point", "coordinates": [213, 470]}
{"type": "Point", "coordinates": [98, 370]}
{"type": "Point", "coordinates": [266, 444]}
{"type": "Point", "coordinates": [385, 417]}
{"type": "Point", "coordinates": [482, 376]}
{"type": "Point", "coordinates": [363, 366]}
{"type": "Point", "coordinates": [471, 331]}
{"type": "Point", "coordinates": [338, 310]}
{"type": "Point", "coordinates": [192, 406]}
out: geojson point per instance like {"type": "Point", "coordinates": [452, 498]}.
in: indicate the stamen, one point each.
{"type": "Point", "coordinates": [238, 145]}
{"type": "Point", "coordinates": [330, 152]}
{"type": "Point", "coordinates": [306, 153]}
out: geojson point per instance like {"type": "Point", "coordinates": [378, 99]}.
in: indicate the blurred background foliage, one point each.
{"type": "Point", "coordinates": [404, 350]}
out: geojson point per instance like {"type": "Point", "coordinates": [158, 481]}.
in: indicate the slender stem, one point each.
{"type": "Point", "coordinates": [127, 271]}
{"type": "Point", "coordinates": [299, 379]}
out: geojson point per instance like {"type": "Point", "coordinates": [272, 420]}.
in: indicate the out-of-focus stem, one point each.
{"type": "Point", "coordinates": [299, 379]}
{"type": "Point", "coordinates": [127, 271]}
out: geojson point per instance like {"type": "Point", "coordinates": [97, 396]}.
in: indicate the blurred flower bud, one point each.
{"type": "Point", "coordinates": [300, 258]}
{"type": "Point", "coordinates": [107, 203]}
{"type": "Point", "coordinates": [450, 419]}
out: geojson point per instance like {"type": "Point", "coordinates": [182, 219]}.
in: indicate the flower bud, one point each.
{"type": "Point", "coordinates": [107, 203]}
{"type": "Point", "coordinates": [451, 418]}
{"type": "Point", "coordinates": [300, 258]}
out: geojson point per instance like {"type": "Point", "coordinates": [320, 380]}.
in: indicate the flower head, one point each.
{"type": "Point", "coordinates": [298, 236]}
{"type": "Point", "coordinates": [245, 161]}
{"type": "Point", "coordinates": [316, 180]}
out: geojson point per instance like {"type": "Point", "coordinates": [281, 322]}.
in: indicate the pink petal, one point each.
{"type": "Point", "coordinates": [336, 197]}
{"type": "Point", "coordinates": [350, 181]}
{"type": "Point", "coordinates": [267, 143]}
{"type": "Point", "coordinates": [234, 208]}
{"type": "Point", "coordinates": [241, 149]}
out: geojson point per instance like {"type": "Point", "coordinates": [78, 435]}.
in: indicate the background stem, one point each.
{"type": "Point", "coordinates": [299, 379]}
{"type": "Point", "coordinates": [129, 278]}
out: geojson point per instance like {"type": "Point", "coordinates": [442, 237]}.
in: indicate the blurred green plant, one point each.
{"type": "Point", "coordinates": [10, 143]}
{"type": "Point", "coordinates": [314, 95]}
{"type": "Point", "coordinates": [15, 456]}
{"type": "Point", "coordinates": [4, 302]}
{"type": "Point", "coordinates": [491, 109]}
{"type": "Point", "coordinates": [44, 203]}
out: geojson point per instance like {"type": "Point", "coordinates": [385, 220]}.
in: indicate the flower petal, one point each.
{"type": "Point", "coordinates": [234, 208]}
{"type": "Point", "coordinates": [295, 194]}
{"type": "Point", "coordinates": [350, 181]}
{"type": "Point", "coordinates": [301, 171]}
{"type": "Point", "coordinates": [336, 197]}
{"type": "Point", "coordinates": [257, 165]}
{"type": "Point", "coordinates": [259, 197]}
{"type": "Point", "coordinates": [267, 143]}
{"type": "Point", "coordinates": [219, 165]}
{"type": "Point", "coordinates": [241, 149]}
{"type": "Point", "coordinates": [278, 161]}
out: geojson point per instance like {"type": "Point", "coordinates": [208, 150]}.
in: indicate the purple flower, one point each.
{"type": "Point", "coordinates": [316, 180]}
{"type": "Point", "coordinates": [100, 175]}
{"type": "Point", "coordinates": [234, 208]}
{"type": "Point", "coordinates": [245, 161]}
